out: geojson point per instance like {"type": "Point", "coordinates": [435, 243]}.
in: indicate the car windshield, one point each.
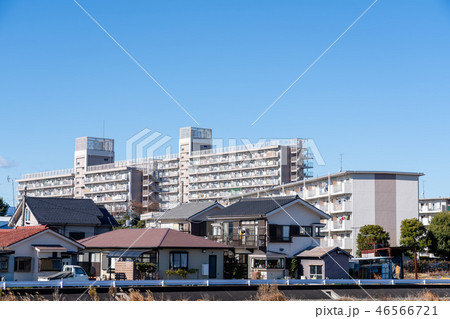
{"type": "Point", "coordinates": [80, 271]}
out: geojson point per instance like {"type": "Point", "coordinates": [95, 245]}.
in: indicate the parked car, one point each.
{"type": "Point", "coordinates": [69, 273]}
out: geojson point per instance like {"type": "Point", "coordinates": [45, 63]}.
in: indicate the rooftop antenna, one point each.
{"type": "Point", "coordinates": [423, 189]}
{"type": "Point", "coordinates": [340, 160]}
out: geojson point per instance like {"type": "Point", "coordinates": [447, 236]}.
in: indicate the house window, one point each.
{"type": "Point", "coordinates": [286, 233]}
{"type": "Point", "coordinates": [178, 260]}
{"type": "Point", "coordinates": [315, 271]}
{"type": "Point", "coordinates": [4, 264]}
{"type": "Point", "coordinates": [22, 264]}
{"type": "Point", "coordinates": [27, 215]}
{"type": "Point", "coordinates": [279, 233]}
{"type": "Point", "coordinates": [149, 257]}
{"type": "Point", "coordinates": [306, 231]}
{"type": "Point", "coordinates": [269, 263]}
{"type": "Point", "coordinates": [181, 227]}
{"type": "Point", "coordinates": [50, 264]}
{"type": "Point", "coordinates": [317, 231]}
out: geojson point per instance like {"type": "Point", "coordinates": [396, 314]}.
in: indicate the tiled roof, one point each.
{"type": "Point", "coordinates": [12, 236]}
{"type": "Point", "coordinates": [148, 238]}
{"type": "Point", "coordinates": [254, 206]}
{"type": "Point", "coordinates": [319, 252]}
{"type": "Point", "coordinates": [60, 211]}
{"type": "Point", "coordinates": [187, 210]}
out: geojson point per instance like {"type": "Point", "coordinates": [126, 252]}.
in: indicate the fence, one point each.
{"type": "Point", "coordinates": [216, 282]}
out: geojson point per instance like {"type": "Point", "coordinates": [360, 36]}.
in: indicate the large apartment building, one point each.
{"type": "Point", "coordinates": [354, 199]}
{"type": "Point", "coordinates": [198, 172]}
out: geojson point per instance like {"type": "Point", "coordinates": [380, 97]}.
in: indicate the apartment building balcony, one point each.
{"type": "Point", "coordinates": [170, 191]}
{"type": "Point", "coordinates": [426, 220]}
{"type": "Point", "coordinates": [110, 199]}
{"type": "Point", "coordinates": [344, 206]}
{"type": "Point", "coordinates": [114, 208]}
{"type": "Point", "coordinates": [169, 182]}
{"type": "Point", "coordinates": [210, 170]}
{"type": "Point", "coordinates": [322, 207]}
{"type": "Point", "coordinates": [234, 159]}
{"type": "Point", "coordinates": [343, 225]}
{"type": "Point", "coordinates": [107, 178]}
{"type": "Point", "coordinates": [195, 188]}
{"type": "Point", "coordinates": [107, 189]}
{"type": "Point", "coordinates": [341, 188]}
{"type": "Point", "coordinates": [170, 166]}
{"type": "Point", "coordinates": [316, 192]}
{"type": "Point", "coordinates": [236, 176]}
{"type": "Point", "coordinates": [343, 243]}
{"type": "Point", "coordinates": [169, 174]}
{"type": "Point", "coordinates": [48, 193]}
{"type": "Point", "coordinates": [435, 209]}
{"type": "Point", "coordinates": [45, 185]}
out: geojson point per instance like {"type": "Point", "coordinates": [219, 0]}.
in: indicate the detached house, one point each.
{"type": "Point", "coordinates": [29, 252]}
{"type": "Point", "coordinates": [267, 233]}
{"type": "Point", "coordinates": [74, 218]}
{"type": "Point", "coordinates": [187, 217]}
{"type": "Point", "coordinates": [114, 254]}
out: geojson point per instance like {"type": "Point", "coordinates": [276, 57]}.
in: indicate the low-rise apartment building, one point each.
{"type": "Point", "coordinates": [354, 199]}
{"type": "Point", "coordinates": [428, 207]}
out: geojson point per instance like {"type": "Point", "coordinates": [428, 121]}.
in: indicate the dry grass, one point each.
{"type": "Point", "coordinates": [137, 296]}
{"type": "Point", "coordinates": [112, 292]}
{"type": "Point", "coordinates": [270, 293]}
{"type": "Point", "coordinates": [428, 275]}
{"type": "Point", "coordinates": [427, 296]}
{"type": "Point", "coordinates": [421, 296]}
{"type": "Point", "coordinates": [93, 293]}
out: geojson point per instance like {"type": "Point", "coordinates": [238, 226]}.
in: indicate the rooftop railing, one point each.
{"type": "Point", "coordinates": [58, 172]}
{"type": "Point", "coordinates": [248, 147]}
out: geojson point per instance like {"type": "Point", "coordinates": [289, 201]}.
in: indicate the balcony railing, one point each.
{"type": "Point", "coordinates": [344, 243]}
{"type": "Point", "coordinates": [249, 241]}
{"type": "Point", "coordinates": [342, 225]}
{"type": "Point", "coordinates": [67, 171]}
{"type": "Point", "coordinates": [342, 207]}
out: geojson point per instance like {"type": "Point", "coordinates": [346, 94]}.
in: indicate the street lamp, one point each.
{"type": "Point", "coordinates": [12, 180]}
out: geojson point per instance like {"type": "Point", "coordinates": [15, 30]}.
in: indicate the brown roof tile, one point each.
{"type": "Point", "coordinates": [12, 236]}
{"type": "Point", "coordinates": [148, 238]}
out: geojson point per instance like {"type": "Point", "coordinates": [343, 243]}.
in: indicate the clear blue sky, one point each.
{"type": "Point", "coordinates": [379, 96]}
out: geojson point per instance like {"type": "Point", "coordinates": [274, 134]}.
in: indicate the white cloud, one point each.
{"type": "Point", "coordinates": [4, 163]}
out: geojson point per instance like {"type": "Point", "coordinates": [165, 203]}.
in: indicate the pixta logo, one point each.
{"type": "Point", "coordinates": [146, 143]}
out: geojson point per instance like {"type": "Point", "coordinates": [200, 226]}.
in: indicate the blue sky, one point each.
{"type": "Point", "coordinates": [379, 96]}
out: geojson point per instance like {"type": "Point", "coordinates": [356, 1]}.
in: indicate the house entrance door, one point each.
{"type": "Point", "coordinates": [212, 266]}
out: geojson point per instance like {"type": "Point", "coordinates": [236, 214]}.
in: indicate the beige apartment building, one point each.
{"type": "Point", "coordinates": [354, 199]}
{"type": "Point", "coordinates": [198, 172]}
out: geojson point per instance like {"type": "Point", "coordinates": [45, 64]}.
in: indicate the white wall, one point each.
{"type": "Point", "coordinates": [25, 249]}
{"type": "Point", "coordinates": [293, 215]}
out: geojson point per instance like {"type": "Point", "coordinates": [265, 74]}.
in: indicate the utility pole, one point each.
{"type": "Point", "coordinates": [340, 160]}
{"type": "Point", "coordinates": [24, 200]}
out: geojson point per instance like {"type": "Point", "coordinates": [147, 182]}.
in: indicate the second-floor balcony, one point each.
{"type": "Point", "coordinates": [246, 241]}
